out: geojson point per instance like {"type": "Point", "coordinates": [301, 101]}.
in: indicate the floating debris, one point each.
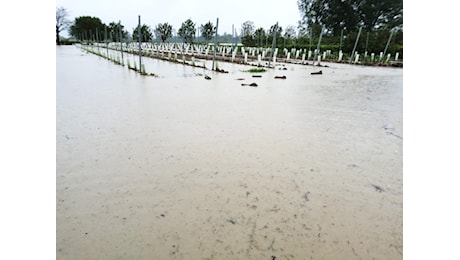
{"type": "Point", "coordinates": [149, 74]}
{"type": "Point", "coordinates": [221, 70]}
{"type": "Point", "coordinates": [207, 77]}
{"type": "Point", "coordinates": [280, 77]}
{"type": "Point", "coordinates": [317, 73]}
{"type": "Point", "coordinates": [251, 85]}
{"type": "Point", "coordinates": [305, 196]}
{"type": "Point", "coordinates": [231, 221]}
{"type": "Point", "coordinates": [378, 188]}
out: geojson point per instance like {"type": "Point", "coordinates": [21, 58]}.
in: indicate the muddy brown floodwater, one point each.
{"type": "Point", "coordinates": [179, 167]}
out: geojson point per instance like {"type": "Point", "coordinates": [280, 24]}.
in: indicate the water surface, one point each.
{"type": "Point", "coordinates": [179, 167]}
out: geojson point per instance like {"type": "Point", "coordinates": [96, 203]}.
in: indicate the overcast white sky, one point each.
{"type": "Point", "coordinates": [264, 13]}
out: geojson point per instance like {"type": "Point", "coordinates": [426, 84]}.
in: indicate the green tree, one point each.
{"type": "Point", "coordinates": [378, 14]}
{"type": "Point", "coordinates": [247, 33]}
{"type": "Point", "coordinates": [334, 14]}
{"type": "Point", "coordinates": [337, 14]}
{"type": "Point", "coordinates": [340, 14]}
{"type": "Point", "coordinates": [310, 13]}
{"type": "Point", "coordinates": [271, 31]}
{"type": "Point", "coordinates": [289, 34]}
{"type": "Point", "coordinates": [85, 27]}
{"type": "Point", "coordinates": [377, 41]}
{"type": "Point", "coordinates": [62, 22]}
{"type": "Point", "coordinates": [207, 30]}
{"type": "Point", "coordinates": [146, 33]}
{"type": "Point", "coordinates": [113, 31]}
{"type": "Point", "coordinates": [290, 31]}
{"type": "Point", "coordinates": [259, 36]}
{"type": "Point", "coordinates": [187, 31]}
{"type": "Point", "coordinates": [163, 31]}
{"type": "Point", "coordinates": [279, 37]}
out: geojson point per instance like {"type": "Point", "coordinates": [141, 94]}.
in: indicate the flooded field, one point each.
{"type": "Point", "coordinates": [179, 167]}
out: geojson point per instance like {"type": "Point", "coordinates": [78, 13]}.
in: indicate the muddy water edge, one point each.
{"type": "Point", "coordinates": [179, 167]}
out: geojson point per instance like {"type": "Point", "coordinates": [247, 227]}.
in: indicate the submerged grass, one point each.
{"type": "Point", "coordinates": [258, 70]}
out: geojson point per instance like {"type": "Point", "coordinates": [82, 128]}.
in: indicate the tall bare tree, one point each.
{"type": "Point", "coordinates": [62, 22]}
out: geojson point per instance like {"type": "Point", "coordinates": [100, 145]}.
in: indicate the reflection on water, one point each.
{"type": "Point", "coordinates": [182, 167]}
